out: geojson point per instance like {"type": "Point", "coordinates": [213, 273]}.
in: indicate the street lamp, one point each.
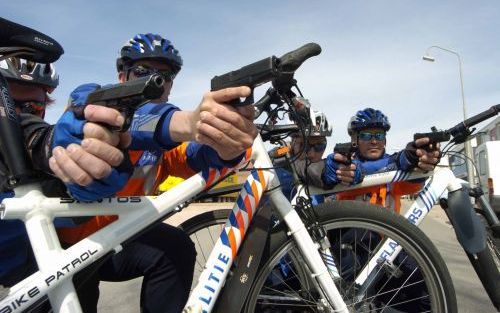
{"type": "Point", "coordinates": [467, 145]}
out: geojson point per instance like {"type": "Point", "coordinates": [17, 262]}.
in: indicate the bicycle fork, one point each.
{"type": "Point", "coordinates": [330, 294]}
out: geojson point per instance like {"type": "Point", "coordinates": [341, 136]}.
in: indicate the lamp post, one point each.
{"type": "Point", "coordinates": [467, 144]}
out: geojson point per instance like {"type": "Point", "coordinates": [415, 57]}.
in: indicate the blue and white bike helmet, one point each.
{"type": "Point", "coordinates": [321, 127]}
{"type": "Point", "coordinates": [368, 118]}
{"type": "Point", "coordinates": [149, 46]}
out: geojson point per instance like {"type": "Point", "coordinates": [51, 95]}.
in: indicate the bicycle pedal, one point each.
{"type": "Point", "coordinates": [4, 292]}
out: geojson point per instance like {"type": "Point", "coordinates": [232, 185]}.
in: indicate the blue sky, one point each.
{"type": "Point", "coordinates": [372, 51]}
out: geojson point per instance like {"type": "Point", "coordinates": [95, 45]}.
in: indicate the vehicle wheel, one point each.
{"type": "Point", "coordinates": [418, 281]}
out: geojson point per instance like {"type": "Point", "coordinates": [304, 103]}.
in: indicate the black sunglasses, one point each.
{"type": "Point", "coordinates": [368, 136]}
{"type": "Point", "coordinates": [31, 107]}
{"type": "Point", "coordinates": [141, 71]}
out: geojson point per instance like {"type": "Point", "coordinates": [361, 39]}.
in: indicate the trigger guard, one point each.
{"type": "Point", "coordinates": [238, 103]}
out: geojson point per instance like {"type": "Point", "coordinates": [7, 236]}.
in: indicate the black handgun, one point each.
{"type": "Point", "coordinates": [346, 149]}
{"type": "Point", "coordinates": [252, 75]}
{"type": "Point", "coordinates": [127, 97]}
{"type": "Point", "coordinates": [434, 136]}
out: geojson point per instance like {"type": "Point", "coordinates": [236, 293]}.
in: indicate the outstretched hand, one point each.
{"type": "Point", "coordinates": [336, 171]}
{"type": "Point", "coordinates": [85, 150]}
{"type": "Point", "coordinates": [345, 172]}
{"type": "Point", "coordinates": [228, 130]}
{"type": "Point", "coordinates": [428, 154]}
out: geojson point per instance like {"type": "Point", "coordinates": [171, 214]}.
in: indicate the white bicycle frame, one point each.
{"type": "Point", "coordinates": [57, 266]}
{"type": "Point", "coordinates": [439, 182]}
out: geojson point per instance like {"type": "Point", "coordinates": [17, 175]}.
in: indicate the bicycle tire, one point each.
{"type": "Point", "coordinates": [492, 240]}
{"type": "Point", "coordinates": [493, 243]}
{"type": "Point", "coordinates": [487, 264]}
{"type": "Point", "coordinates": [351, 214]}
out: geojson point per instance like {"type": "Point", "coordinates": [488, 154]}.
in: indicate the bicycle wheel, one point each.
{"type": "Point", "coordinates": [492, 241]}
{"type": "Point", "coordinates": [418, 280]}
{"type": "Point", "coordinates": [204, 230]}
{"type": "Point", "coordinates": [493, 244]}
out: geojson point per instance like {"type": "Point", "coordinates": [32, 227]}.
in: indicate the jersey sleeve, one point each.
{"type": "Point", "coordinates": [150, 127]}
{"type": "Point", "coordinates": [38, 137]}
{"type": "Point", "coordinates": [201, 157]}
{"type": "Point", "coordinates": [189, 158]}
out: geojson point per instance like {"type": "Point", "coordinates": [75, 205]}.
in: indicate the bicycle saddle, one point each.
{"type": "Point", "coordinates": [27, 43]}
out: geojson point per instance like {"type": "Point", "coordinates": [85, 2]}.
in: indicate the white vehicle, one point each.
{"type": "Point", "coordinates": [487, 159]}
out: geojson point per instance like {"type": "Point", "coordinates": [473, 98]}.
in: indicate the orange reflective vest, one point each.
{"type": "Point", "coordinates": [144, 181]}
{"type": "Point", "coordinates": [388, 196]}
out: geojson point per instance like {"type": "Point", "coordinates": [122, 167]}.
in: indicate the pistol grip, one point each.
{"type": "Point", "coordinates": [347, 163]}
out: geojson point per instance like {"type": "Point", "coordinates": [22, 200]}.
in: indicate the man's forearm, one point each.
{"type": "Point", "coordinates": [181, 128]}
{"type": "Point", "coordinates": [38, 137]}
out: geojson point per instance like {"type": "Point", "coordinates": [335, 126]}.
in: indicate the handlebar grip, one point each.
{"type": "Point", "coordinates": [476, 119]}
{"type": "Point", "coordinates": [292, 60]}
{"type": "Point", "coordinates": [439, 136]}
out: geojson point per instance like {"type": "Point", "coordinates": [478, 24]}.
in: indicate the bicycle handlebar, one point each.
{"type": "Point", "coordinates": [476, 119]}
{"type": "Point", "coordinates": [460, 131]}
{"type": "Point", "coordinates": [291, 61]}
{"type": "Point", "coordinates": [267, 132]}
